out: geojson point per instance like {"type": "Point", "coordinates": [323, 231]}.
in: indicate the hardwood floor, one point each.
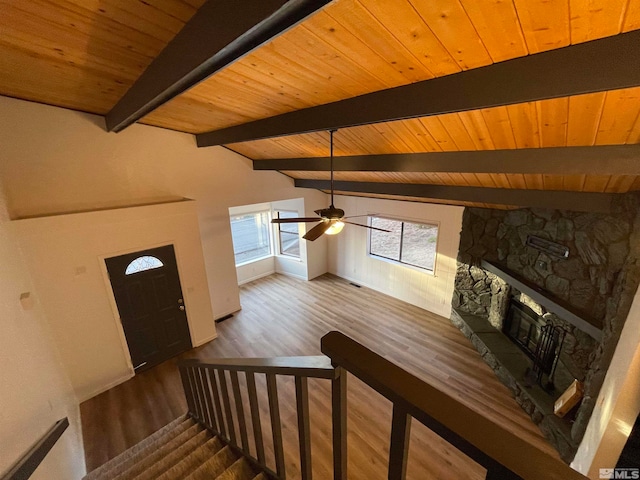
{"type": "Point", "coordinates": [282, 316]}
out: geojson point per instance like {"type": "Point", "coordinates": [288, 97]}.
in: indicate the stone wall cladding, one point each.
{"type": "Point", "coordinates": [600, 277]}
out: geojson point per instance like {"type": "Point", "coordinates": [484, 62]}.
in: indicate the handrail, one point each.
{"type": "Point", "coordinates": [24, 468]}
{"type": "Point", "coordinates": [208, 394]}
{"type": "Point", "coordinates": [311, 366]}
{"type": "Point", "coordinates": [504, 454]}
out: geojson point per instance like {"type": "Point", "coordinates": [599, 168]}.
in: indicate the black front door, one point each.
{"type": "Point", "coordinates": [147, 290]}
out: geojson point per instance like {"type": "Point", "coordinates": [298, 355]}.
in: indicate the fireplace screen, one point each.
{"type": "Point", "coordinates": [540, 341]}
{"type": "Point", "coordinates": [523, 326]}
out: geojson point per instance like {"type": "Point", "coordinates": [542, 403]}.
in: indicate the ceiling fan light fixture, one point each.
{"type": "Point", "coordinates": [335, 228]}
{"type": "Point", "coordinates": [329, 220]}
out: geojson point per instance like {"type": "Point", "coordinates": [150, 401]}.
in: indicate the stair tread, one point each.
{"type": "Point", "coordinates": [215, 466]}
{"type": "Point", "coordinates": [240, 470]}
{"type": "Point", "coordinates": [183, 449]}
{"type": "Point", "coordinates": [171, 439]}
{"type": "Point", "coordinates": [175, 427]}
{"type": "Point", "coordinates": [160, 460]}
{"type": "Point", "coordinates": [191, 462]}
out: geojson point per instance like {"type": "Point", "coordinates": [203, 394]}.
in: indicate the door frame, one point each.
{"type": "Point", "coordinates": [112, 298]}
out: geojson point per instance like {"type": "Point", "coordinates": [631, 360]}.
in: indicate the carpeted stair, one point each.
{"type": "Point", "coordinates": [182, 450]}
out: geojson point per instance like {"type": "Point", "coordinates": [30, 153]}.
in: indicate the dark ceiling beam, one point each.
{"type": "Point", "coordinates": [220, 32]}
{"type": "Point", "coordinates": [576, 201]}
{"type": "Point", "coordinates": [596, 160]}
{"type": "Point", "coordinates": [605, 64]}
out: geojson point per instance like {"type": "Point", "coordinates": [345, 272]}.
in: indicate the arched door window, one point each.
{"type": "Point", "coordinates": [142, 264]}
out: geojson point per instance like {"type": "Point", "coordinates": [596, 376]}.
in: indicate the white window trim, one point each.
{"type": "Point", "coordinates": [423, 270]}
{"type": "Point", "coordinates": [272, 208]}
{"type": "Point", "coordinates": [276, 236]}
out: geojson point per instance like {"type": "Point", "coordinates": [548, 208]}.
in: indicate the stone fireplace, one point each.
{"type": "Point", "coordinates": [585, 294]}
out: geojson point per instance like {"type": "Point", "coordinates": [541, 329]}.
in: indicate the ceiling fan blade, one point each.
{"type": "Point", "coordinates": [367, 226]}
{"type": "Point", "coordinates": [317, 231]}
{"type": "Point", "coordinates": [296, 220]}
{"type": "Point", "coordinates": [365, 215]}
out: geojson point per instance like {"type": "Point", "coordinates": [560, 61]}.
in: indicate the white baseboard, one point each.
{"type": "Point", "coordinates": [289, 274]}
{"type": "Point", "coordinates": [104, 388]}
{"type": "Point", "coordinates": [262, 275]}
{"type": "Point", "coordinates": [358, 282]}
{"type": "Point", "coordinates": [228, 312]}
{"type": "Point", "coordinates": [206, 340]}
{"type": "Point", "coordinates": [442, 312]}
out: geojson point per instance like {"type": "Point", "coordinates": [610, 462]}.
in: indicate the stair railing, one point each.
{"type": "Point", "coordinates": [27, 464]}
{"type": "Point", "coordinates": [502, 453]}
{"type": "Point", "coordinates": [206, 387]}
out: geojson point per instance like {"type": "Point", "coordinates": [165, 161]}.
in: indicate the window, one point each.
{"type": "Point", "coordinates": [288, 238]}
{"type": "Point", "coordinates": [141, 264]}
{"type": "Point", "coordinates": [251, 236]}
{"type": "Point", "coordinates": [408, 243]}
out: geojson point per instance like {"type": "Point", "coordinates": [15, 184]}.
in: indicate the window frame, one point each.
{"type": "Point", "coordinates": [278, 234]}
{"type": "Point", "coordinates": [152, 266]}
{"type": "Point", "coordinates": [268, 211]}
{"type": "Point", "coordinates": [426, 223]}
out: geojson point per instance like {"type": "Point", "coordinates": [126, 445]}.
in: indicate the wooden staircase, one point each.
{"type": "Point", "coordinates": [181, 450]}
{"type": "Point", "coordinates": [211, 441]}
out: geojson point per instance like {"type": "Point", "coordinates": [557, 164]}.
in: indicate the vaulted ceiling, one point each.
{"type": "Point", "coordinates": [468, 102]}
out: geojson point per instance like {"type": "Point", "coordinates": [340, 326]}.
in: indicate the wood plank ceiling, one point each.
{"type": "Point", "coordinates": [84, 55]}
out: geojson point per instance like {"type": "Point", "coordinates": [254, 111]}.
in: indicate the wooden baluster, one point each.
{"type": "Point", "coordinates": [399, 448]}
{"type": "Point", "coordinates": [242, 423]}
{"type": "Point", "coordinates": [227, 407]}
{"type": "Point", "coordinates": [206, 392]}
{"type": "Point", "coordinates": [188, 393]}
{"type": "Point", "coordinates": [209, 397]}
{"type": "Point", "coordinates": [304, 435]}
{"type": "Point", "coordinates": [276, 427]}
{"type": "Point", "coordinates": [194, 389]}
{"type": "Point", "coordinates": [255, 416]}
{"type": "Point", "coordinates": [218, 404]}
{"type": "Point", "coordinates": [339, 419]}
{"type": "Point", "coordinates": [200, 388]}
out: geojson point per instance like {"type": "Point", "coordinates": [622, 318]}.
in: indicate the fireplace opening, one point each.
{"type": "Point", "coordinates": [541, 341]}
{"type": "Point", "coordinates": [523, 326]}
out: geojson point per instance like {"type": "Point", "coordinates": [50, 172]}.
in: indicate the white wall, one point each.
{"type": "Point", "coordinates": [34, 389]}
{"type": "Point", "coordinates": [59, 161]}
{"type": "Point", "coordinates": [66, 256]}
{"type": "Point", "coordinates": [348, 253]}
{"type": "Point", "coordinates": [618, 403]}
{"type": "Point", "coordinates": [56, 160]}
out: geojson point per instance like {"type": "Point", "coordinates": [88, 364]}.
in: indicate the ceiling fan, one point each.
{"type": "Point", "coordinates": [332, 219]}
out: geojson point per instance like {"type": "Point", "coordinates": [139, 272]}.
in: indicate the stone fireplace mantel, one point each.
{"type": "Point", "coordinates": [589, 325]}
